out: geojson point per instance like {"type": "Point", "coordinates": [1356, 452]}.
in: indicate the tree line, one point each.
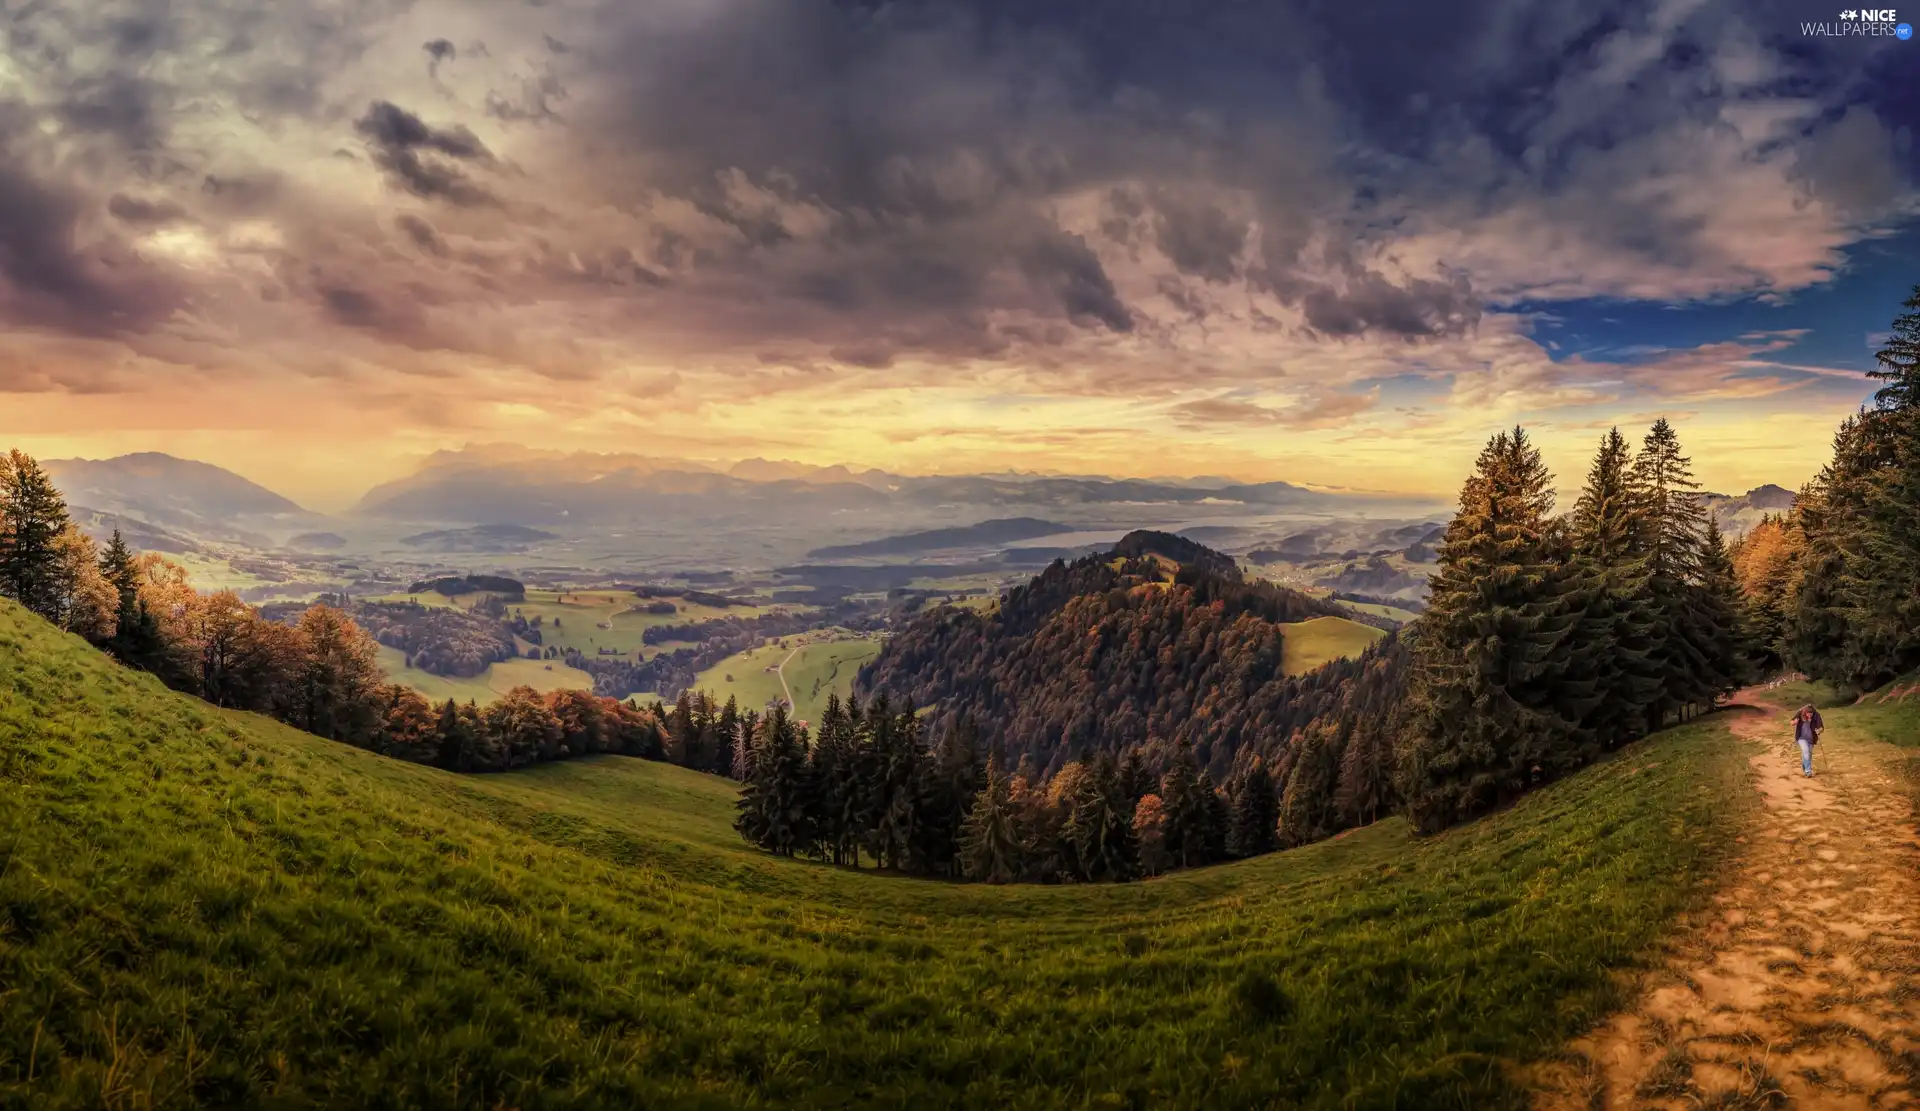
{"type": "Point", "coordinates": [1551, 640]}
{"type": "Point", "coordinates": [1834, 583]}
{"type": "Point", "coordinates": [873, 785]}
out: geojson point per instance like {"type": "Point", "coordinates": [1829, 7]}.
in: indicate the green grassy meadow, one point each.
{"type": "Point", "coordinates": [1890, 715]}
{"type": "Point", "coordinates": [581, 613]}
{"type": "Point", "coordinates": [1305, 645]}
{"type": "Point", "coordinates": [815, 670]}
{"type": "Point", "coordinates": [1376, 609]}
{"type": "Point", "coordinates": [201, 908]}
{"type": "Point", "coordinates": [501, 677]}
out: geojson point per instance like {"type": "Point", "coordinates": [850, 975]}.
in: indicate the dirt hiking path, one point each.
{"type": "Point", "coordinates": [1803, 988]}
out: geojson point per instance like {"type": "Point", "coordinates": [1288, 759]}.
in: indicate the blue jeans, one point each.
{"type": "Point", "coordinates": [1806, 756]}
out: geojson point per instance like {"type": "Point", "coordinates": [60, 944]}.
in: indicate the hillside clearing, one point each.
{"type": "Point", "coordinates": [1394, 613]}
{"type": "Point", "coordinates": [1305, 645]}
{"type": "Point", "coordinates": [499, 678]}
{"type": "Point", "coordinates": [813, 670]}
{"type": "Point", "coordinates": [202, 908]}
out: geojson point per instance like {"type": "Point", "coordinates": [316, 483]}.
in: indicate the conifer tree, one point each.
{"type": "Point", "coordinates": [1897, 363]}
{"type": "Point", "coordinates": [728, 747]}
{"type": "Point", "coordinates": [1184, 828]}
{"type": "Point", "coordinates": [1609, 535]}
{"type": "Point", "coordinates": [446, 753]}
{"type": "Point", "coordinates": [893, 792]}
{"type": "Point", "coordinates": [1256, 812]}
{"type": "Point", "coordinates": [950, 777]}
{"type": "Point", "coordinates": [1489, 662]}
{"type": "Point", "coordinates": [1880, 579]}
{"type": "Point", "coordinates": [773, 804]}
{"type": "Point", "coordinates": [1722, 617]}
{"type": "Point", "coordinates": [1216, 817]}
{"type": "Point", "coordinates": [1675, 532]}
{"type": "Point", "coordinates": [33, 516]}
{"type": "Point", "coordinates": [1307, 812]}
{"type": "Point", "coordinates": [1099, 824]}
{"type": "Point", "coordinates": [990, 849]}
{"type": "Point", "coordinates": [1136, 782]}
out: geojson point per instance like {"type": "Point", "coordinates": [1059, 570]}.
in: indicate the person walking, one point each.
{"type": "Point", "coordinates": [1806, 730]}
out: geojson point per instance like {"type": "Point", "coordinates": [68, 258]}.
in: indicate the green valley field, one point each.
{"type": "Point", "coordinates": [813, 669]}
{"type": "Point", "coordinates": [499, 678]}
{"type": "Point", "coordinates": [205, 909]}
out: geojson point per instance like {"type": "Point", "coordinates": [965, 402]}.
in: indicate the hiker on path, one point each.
{"type": "Point", "coordinates": [1806, 730]}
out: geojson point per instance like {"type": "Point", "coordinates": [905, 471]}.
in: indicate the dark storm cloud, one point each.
{"type": "Point", "coordinates": [1063, 265]}
{"type": "Point", "coordinates": [49, 276]}
{"type": "Point", "coordinates": [422, 234]}
{"type": "Point", "coordinates": [242, 194]}
{"type": "Point", "coordinates": [121, 106]}
{"type": "Point", "coordinates": [1367, 302]}
{"type": "Point", "coordinates": [887, 169]}
{"type": "Point", "coordinates": [143, 211]}
{"type": "Point", "coordinates": [390, 315]}
{"type": "Point", "coordinates": [1200, 238]}
{"type": "Point", "coordinates": [422, 159]}
{"type": "Point", "coordinates": [437, 51]}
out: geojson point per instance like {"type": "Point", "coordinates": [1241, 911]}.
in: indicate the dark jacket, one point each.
{"type": "Point", "coordinates": [1808, 728]}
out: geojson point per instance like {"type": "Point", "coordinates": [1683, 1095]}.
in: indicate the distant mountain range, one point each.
{"type": "Point", "coordinates": [486, 492]}
{"type": "Point", "coordinates": [999, 531]}
{"type": "Point", "coordinates": [1738, 513]}
{"type": "Point", "coordinates": [488, 485]}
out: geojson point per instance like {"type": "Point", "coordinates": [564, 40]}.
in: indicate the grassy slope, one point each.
{"type": "Point", "coordinates": [1305, 645]}
{"type": "Point", "coordinates": [204, 908]}
{"type": "Point", "coordinates": [489, 685]}
{"type": "Point", "coordinates": [1378, 610]}
{"type": "Point", "coordinates": [815, 671]}
{"type": "Point", "coordinates": [583, 611]}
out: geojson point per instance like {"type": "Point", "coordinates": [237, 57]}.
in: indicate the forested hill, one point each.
{"type": "Point", "coordinates": [1153, 645]}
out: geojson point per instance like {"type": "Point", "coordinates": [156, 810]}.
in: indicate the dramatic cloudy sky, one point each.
{"type": "Point", "coordinates": [1325, 241]}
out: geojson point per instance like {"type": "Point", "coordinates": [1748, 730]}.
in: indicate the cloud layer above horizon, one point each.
{"type": "Point", "coordinates": [1321, 242]}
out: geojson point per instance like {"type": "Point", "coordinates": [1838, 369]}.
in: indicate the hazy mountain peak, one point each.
{"type": "Point", "coordinates": [161, 488]}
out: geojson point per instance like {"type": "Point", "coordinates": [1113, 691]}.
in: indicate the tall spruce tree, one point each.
{"type": "Point", "coordinates": [1489, 663]}
{"type": "Point", "coordinates": [773, 804]}
{"type": "Point", "coordinates": [837, 790]}
{"type": "Point", "coordinates": [32, 517]}
{"type": "Point", "coordinates": [1721, 615]}
{"type": "Point", "coordinates": [950, 777]}
{"type": "Point", "coordinates": [1307, 811]}
{"type": "Point", "coordinates": [1882, 579]}
{"type": "Point", "coordinates": [1675, 532]}
{"type": "Point", "coordinates": [893, 743]}
{"type": "Point", "coordinates": [1099, 825]}
{"type": "Point", "coordinates": [1609, 529]}
{"type": "Point", "coordinates": [1256, 813]}
{"type": "Point", "coordinates": [136, 639]}
{"type": "Point", "coordinates": [990, 849]}
{"type": "Point", "coordinates": [1185, 833]}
